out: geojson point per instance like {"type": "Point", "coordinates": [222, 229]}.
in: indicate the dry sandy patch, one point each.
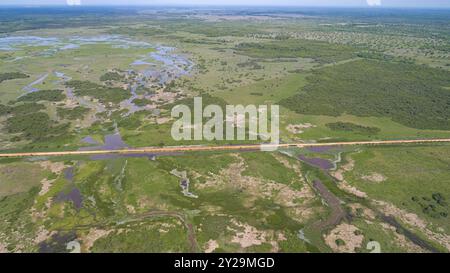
{"type": "Point", "coordinates": [94, 235]}
{"type": "Point", "coordinates": [299, 128]}
{"type": "Point", "coordinates": [3, 248]}
{"type": "Point", "coordinates": [346, 233]}
{"type": "Point", "coordinates": [210, 246]}
{"type": "Point", "coordinates": [415, 221]}
{"type": "Point", "coordinates": [374, 177]}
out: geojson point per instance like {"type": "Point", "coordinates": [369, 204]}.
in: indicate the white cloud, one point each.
{"type": "Point", "coordinates": [374, 3]}
{"type": "Point", "coordinates": [73, 2]}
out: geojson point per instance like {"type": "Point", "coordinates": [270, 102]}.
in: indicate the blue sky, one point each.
{"type": "Point", "coordinates": [386, 3]}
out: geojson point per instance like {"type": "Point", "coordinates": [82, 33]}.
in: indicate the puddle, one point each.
{"type": "Point", "coordinates": [160, 66]}
{"type": "Point", "coordinates": [111, 142]}
{"type": "Point", "coordinates": [71, 193]}
{"type": "Point", "coordinates": [68, 174]}
{"type": "Point", "coordinates": [301, 236]}
{"type": "Point", "coordinates": [30, 89]}
{"type": "Point", "coordinates": [140, 62]}
{"type": "Point", "coordinates": [149, 156]}
{"type": "Point", "coordinates": [318, 162]}
{"type": "Point", "coordinates": [13, 43]}
{"type": "Point", "coordinates": [184, 183]}
{"type": "Point", "coordinates": [99, 108]}
{"type": "Point", "coordinates": [320, 149]}
{"type": "Point", "coordinates": [63, 77]}
{"type": "Point", "coordinates": [57, 243]}
{"type": "Point", "coordinates": [73, 196]}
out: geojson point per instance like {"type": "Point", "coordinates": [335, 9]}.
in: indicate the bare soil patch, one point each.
{"type": "Point", "coordinates": [94, 235]}
{"type": "Point", "coordinates": [211, 245]}
{"type": "Point", "coordinates": [299, 128]}
{"type": "Point", "coordinates": [374, 177]}
{"type": "Point", "coordinates": [347, 234]}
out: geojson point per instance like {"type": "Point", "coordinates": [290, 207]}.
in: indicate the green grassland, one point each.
{"type": "Point", "coordinates": [351, 127]}
{"type": "Point", "coordinates": [226, 68]}
{"type": "Point", "coordinates": [337, 77]}
{"type": "Point", "coordinates": [19, 177]}
{"type": "Point", "coordinates": [266, 166]}
{"type": "Point", "coordinates": [411, 95]}
{"type": "Point", "coordinates": [12, 76]}
{"type": "Point", "coordinates": [15, 216]}
{"type": "Point", "coordinates": [102, 93]}
{"type": "Point", "coordinates": [416, 179]}
{"type": "Point", "coordinates": [321, 132]}
{"type": "Point", "coordinates": [320, 51]}
{"type": "Point", "coordinates": [153, 237]}
{"type": "Point", "coordinates": [120, 194]}
{"type": "Point", "coordinates": [261, 92]}
{"type": "Point", "coordinates": [43, 95]}
{"type": "Point", "coordinates": [88, 62]}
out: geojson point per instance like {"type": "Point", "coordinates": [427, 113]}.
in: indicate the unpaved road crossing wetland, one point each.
{"type": "Point", "coordinates": [356, 152]}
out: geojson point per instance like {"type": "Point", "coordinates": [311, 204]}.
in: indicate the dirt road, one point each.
{"type": "Point", "coordinates": [174, 149]}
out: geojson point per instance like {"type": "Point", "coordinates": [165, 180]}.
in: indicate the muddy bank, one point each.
{"type": "Point", "coordinates": [408, 234]}
{"type": "Point", "coordinates": [337, 212]}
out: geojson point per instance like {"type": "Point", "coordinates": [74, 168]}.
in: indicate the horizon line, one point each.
{"type": "Point", "coordinates": [224, 5]}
